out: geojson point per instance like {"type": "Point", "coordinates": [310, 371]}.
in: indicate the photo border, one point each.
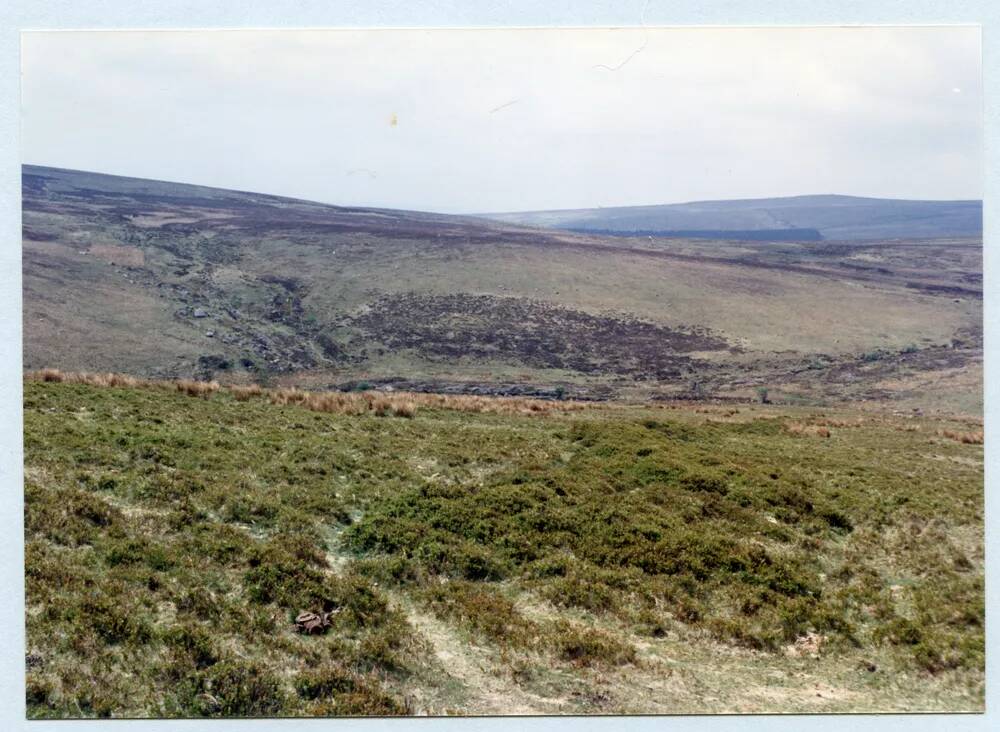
{"type": "Point", "coordinates": [21, 15]}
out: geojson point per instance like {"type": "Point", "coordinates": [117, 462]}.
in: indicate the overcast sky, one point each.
{"type": "Point", "coordinates": [504, 120]}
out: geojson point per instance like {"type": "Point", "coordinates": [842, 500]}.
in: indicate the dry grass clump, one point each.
{"type": "Point", "coordinates": [329, 402]}
{"type": "Point", "coordinates": [202, 389]}
{"type": "Point", "coordinates": [404, 409]}
{"type": "Point", "coordinates": [494, 405]}
{"type": "Point", "coordinates": [335, 402]}
{"type": "Point", "coordinates": [119, 380]}
{"type": "Point", "coordinates": [51, 375]}
{"type": "Point", "coordinates": [245, 393]}
{"type": "Point", "coordinates": [406, 404]}
{"type": "Point", "coordinates": [398, 406]}
{"type": "Point", "coordinates": [798, 428]}
{"type": "Point", "coordinates": [721, 411]}
{"type": "Point", "coordinates": [191, 387]}
{"type": "Point", "coordinates": [283, 397]}
{"type": "Point", "coordinates": [82, 377]}
{"type": "Point", "coordinates": [967, 438]}
{"type": "Point", "coordinates": [382, 404]}
{"type": "Point", "coordinates": [832, 422]}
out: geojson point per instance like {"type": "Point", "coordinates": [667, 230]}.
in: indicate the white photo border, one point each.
{"type": "Point", "coordinates": [22, 15]}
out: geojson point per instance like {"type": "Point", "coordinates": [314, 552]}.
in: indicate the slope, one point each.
{"type": "Point", "coordinates": [165, 279]}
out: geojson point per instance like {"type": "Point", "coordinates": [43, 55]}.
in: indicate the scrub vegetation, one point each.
{"type": "Point", "coordinates": [491, 556]}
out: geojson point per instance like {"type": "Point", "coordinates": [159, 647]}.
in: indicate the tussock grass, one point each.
{"type": "Point", "coordinates": [382, 404]}
{"type": "Point", "coordinates": [197, 388]}
{"type": "Point", "coordinates": [245, 393]}
{"type": "Point", "coordinates": [815, 430]}
{"type": "Point", "coordinates": [92, 379]}
{"type": "Point", "coordinates": [841, 423]}
{"type": "Point", "coordinates": [968, 438]}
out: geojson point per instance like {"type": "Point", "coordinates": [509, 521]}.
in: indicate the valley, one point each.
{"type": "Point", "coordinates": [247, 287]}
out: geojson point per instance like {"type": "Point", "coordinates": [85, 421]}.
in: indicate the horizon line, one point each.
{"type": "Point", "coordinates": [480, 214]}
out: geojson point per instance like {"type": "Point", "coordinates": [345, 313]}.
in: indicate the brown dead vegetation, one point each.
{"type": "Point", "coordinates": [721, 411]}
{"type": "Point", "coordinates": [93, 379]}
{"type": "Point", "coordinates": [202, 389]}
{"type": "Point", "coordinates": [833, 422]}
{"type": "Point", "coordinates": [968, 438]}
{"type": "Point", "coordinates": [799, 428]}
{"type": "Point", "coordinates": [867, 421]}
{"type": "Point", "coordinates": [245, 393]}
{"type": "Point", "coordinates": [406, 404]}
{"type": "Point", "coordinates": [381, 404]}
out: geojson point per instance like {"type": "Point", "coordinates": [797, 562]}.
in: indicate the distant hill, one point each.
{"type": "Point", "coordinates": [166, 279]}
{"type": "Point", "coordinates": [828, 217]}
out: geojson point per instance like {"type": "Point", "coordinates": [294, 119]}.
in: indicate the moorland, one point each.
{"type": "Point", "coordinates": [176, 281]}
{"type": "Point", "coordinates": [519, 470]}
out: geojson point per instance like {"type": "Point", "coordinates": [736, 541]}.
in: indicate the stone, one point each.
{"type": "Point", "coordinates": [312, 623]}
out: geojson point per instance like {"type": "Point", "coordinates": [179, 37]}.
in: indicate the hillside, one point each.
{"type": "Point", "coordinates": [173, 280]}
{"type": "Point", "coordinates": [754, 482]}
{"type": "Point", "coordinates": [480, 556]}
{"type": "Point", "coordinates": [827, 217]}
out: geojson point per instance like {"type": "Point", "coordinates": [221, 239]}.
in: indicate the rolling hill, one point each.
{"type": "Point", "coordinates": [826, 217]}
{"type": "Point", "coordinates": [173, 280]}
{"type": "Point", "coordinates": [635, 542]}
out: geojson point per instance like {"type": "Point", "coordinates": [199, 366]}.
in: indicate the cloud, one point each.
{"type": "Point", "coordinates": [516, 119]}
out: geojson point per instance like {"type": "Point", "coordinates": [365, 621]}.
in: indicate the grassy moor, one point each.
{"type": "Point", "coordinates": [290, 459]}
{"type": "Point", "coordinates": [244, 287]}
{"type": "Point", "coordinates": [490, 556]}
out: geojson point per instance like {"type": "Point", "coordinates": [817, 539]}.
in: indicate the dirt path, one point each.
{"type": "Point", "coordinates": [476, 684]}
{"type": "Point", "coordinates": [484, 686]}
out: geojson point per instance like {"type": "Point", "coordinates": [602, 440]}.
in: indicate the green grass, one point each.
{"type": "Point", "coordinates": [170, 541]}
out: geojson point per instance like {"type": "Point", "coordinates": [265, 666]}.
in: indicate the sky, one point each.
{"type": "Point", "coordinates": [467, 121]}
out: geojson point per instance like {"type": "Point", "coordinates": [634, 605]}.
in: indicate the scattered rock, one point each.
{"type": "Point", "coordinates": [214, 362]}
{"type": "Point", "coordinates": [806, 645]}
{"type": "Point", "coordinates": [312, 623]}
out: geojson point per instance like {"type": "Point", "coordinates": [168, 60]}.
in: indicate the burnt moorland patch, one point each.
{"type": "Point", "coordinates": [534, 333]}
